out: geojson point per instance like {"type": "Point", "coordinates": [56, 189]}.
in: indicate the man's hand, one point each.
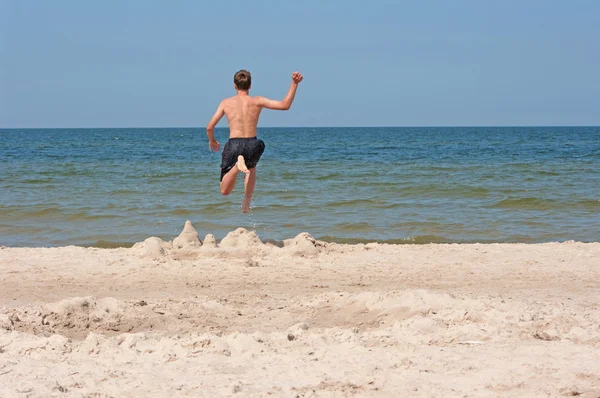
{"type": "Point", "coordinates": [297, 77]}
{"type": "Point", "coordinates": [214, 145]}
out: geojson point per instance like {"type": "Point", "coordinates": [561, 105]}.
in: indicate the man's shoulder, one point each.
{"type": "Point", "coordinates": [258, 99]}
{"type": "Point", "coordinates": [226, 101]}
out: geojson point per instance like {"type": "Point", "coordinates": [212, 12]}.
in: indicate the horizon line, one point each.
{"type": "Point", "coordinates": [296, 127]}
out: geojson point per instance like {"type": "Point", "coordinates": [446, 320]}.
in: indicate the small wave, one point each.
{"type": "Point", "coordinates": [442, 168]}
{"type": "Point", "coordinates": [56, 213]}
{"type": "Point", "coordinates": [357, 202]}
{"type": "Point", "coordinates": [534, 203]}
{"type": "Point", "coordinates": [411, 240]}
{"type": "Point", "coordinates": [354, 227]}
{"type": "Point", "coordinates": [125, 192]}
{"type": "Point", "coordinates": [531, 203]}
{"type": "Point", "coordinates": [168, 174]}
{"type": "Point", "coordinates": [37, 181]}
{"type": "Point", "coordinates": [45, 212]}
{"type": "Point", "coordinates": [181, 212]}
{"type": "Point", "coordinates": [390, 206]}
{"type": "Point", "coordinates": [89, 217]}
{"type": "Point", "coordinates": [27, 229]}
{"type": "Point", "coordinates": [65, 172]}
{"type": "Point", "coordinates": [592, 204]}
{"type": "Point", "coordinates": [548, 173]}
{"type": "Point", "coordinates": [328, 176]}
{"type": "Point", "coordinates": [277, 206]}
{"type": "Point", "coordinates": [212, 207]}
{"type": "Point", "coordinates": [283, 175]}
{"type": "Point", "coordinates": [437, 191]}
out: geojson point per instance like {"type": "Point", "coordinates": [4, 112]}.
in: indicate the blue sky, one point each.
{"type": "Point", "coordinates": [378, 63]}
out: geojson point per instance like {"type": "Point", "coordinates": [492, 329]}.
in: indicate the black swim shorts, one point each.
{"type": "Point", "coordinates": [250, 148]}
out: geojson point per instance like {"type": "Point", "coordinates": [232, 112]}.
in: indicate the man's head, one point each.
{"type": "Point", "coordinates": [242, 80]}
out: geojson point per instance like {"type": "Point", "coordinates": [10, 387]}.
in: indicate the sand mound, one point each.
{"type": "Point", "coordinates": [210, 241]}
{"type": "Point", "coordinates": [188, 238]}
{"type": "Point", "coordinates": [5, 322]}
{"type": "Point", "coordinates": [153, 247]}
{"type": "Point", "coordinates": [373, 309]}
{"type": "Point", "coordinates": [241, 239]}
{"type": "Point", "coordinates": [418, 300]}
{"type": "Point", "coordinates": [76, 317]}
{"type": "Point", "coordinates": [302, 244]}
{"type": "Point", "coordinates": [85, 313]}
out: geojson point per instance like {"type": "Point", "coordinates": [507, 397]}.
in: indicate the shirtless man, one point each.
{"type": "Point", "coordinates": [243, 150]}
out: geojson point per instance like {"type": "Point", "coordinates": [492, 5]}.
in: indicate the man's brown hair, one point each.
{"type": "Point", "coordinates": [242, 80]}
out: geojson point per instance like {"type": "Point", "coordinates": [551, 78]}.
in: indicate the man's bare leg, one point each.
{"type": "Point", "coordinates": [249, 184]}
{"type": "Point", "coordinates": [228, 182]}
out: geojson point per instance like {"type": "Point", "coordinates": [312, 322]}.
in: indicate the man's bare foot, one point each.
{"type": "Point", "coordinates": [241, 165]}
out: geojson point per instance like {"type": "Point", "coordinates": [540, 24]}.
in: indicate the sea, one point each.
{"type": "Point", "coordinates": [112, 187]}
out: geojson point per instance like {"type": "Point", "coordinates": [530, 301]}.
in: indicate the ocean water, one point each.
{"type": "Point", "coordinates": [114, 187]}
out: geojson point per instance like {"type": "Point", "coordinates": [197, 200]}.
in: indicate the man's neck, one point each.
{"type": "Point", "coordinates": [242, 93]}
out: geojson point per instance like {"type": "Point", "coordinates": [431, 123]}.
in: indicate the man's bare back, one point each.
{"type": "Point", "coordinates": [242, 112]}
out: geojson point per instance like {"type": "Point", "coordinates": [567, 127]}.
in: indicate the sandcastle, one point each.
{"type": "Point", "coordinates": [241, 241]}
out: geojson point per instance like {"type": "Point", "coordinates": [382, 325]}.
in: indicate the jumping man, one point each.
{"type": "Point", "coordinates": [243, 150]}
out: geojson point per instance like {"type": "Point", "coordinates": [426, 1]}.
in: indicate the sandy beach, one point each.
{"type": "Point", "coordinates": [300, 318]}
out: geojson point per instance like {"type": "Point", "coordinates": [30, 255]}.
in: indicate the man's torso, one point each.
{"type": "Point", "coordinates": [242, 114]}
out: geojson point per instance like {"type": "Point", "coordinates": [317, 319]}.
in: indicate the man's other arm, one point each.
{"type": "Point", "coordinates": [210, 128]}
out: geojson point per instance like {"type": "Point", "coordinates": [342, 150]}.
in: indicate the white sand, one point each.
{"type": "Point", "coordinates": [306, 320]}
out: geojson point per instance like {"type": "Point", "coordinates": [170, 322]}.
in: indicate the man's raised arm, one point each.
{"type": "Point", "coordinates": [286, 103]}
